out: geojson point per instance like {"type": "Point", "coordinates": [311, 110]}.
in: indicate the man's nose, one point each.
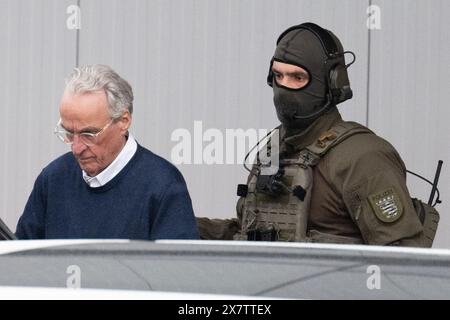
{"type": "Point", "coordinates": [289, 83]}
{"type": "Point", "coordinates": [77, 146]}
{"type": "Point", "coordinates": [285, 82]}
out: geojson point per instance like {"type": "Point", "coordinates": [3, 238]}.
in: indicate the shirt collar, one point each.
{"type": "Point", "coordinates": [115, 167]}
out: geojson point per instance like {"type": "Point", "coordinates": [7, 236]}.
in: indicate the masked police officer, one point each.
{"type": "Point", "coordinates": [337, 181]}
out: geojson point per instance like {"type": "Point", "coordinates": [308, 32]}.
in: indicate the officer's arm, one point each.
{"type": "Point", "coordinates": [378, 200]}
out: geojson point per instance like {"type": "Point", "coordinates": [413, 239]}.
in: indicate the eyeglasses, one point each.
{"type": "Point", "coordinates": [87, 138]}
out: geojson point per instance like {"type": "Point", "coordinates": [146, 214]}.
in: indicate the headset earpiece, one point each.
{"type": "Point", "coordinates": [339, 84]}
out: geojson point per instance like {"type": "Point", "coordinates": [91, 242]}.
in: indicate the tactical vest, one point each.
{"type": "Point", "coordinates": [276, 207]}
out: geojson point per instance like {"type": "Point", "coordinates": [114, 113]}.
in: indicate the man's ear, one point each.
{"type": "Point", "coordinates": [125, 122]}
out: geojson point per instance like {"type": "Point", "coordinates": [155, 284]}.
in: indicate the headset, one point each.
{"type": "Point", "coordinates": [338, 82]}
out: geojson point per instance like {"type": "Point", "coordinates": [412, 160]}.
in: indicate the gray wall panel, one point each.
{"type": "Point", "coordinates": [37, 52]}
{"type": "Point", "coordinates": [410, 73]}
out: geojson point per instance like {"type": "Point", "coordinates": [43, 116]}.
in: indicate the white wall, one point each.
{"type": "Point", "coordinates": [37, 51]}
{"type": "Point", "coordinates": [409, 85]}
{"type": "Point", "coordinates": [207, 60]}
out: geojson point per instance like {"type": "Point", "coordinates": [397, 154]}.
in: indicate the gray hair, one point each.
{"type": "Point", "coordinates": [95, 78]}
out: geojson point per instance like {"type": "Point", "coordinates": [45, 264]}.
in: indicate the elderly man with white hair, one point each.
{"type": "Point", "coordinates": [109, 186]}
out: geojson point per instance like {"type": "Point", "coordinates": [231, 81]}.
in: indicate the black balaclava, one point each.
{"type": "Point", "coordinates": [298, 108]}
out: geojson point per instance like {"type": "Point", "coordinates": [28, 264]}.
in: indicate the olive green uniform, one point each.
{"type": "Point", "coordinates": [348, 180]}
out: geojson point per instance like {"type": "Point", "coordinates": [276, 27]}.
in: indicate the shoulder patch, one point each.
{"type": "Point", "coordinates": [386, 205]}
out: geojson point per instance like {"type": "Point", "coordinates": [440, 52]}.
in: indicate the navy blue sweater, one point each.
{"type": "Point", "coordinates": [147, 199]}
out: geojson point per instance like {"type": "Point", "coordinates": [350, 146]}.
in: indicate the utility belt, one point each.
{"type": "Point", "coordinates": [428, 216]}
{"type": "Point", "coordinates": [312, 236]}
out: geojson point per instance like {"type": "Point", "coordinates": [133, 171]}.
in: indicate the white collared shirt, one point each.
{"type": "Point", "coordinates": [115, 167]}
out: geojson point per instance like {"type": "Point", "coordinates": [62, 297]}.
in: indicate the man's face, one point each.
{"type": "Point", "coordinates": [290, 76]}
{"type": "Point", "coordinates": [89, 113]}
